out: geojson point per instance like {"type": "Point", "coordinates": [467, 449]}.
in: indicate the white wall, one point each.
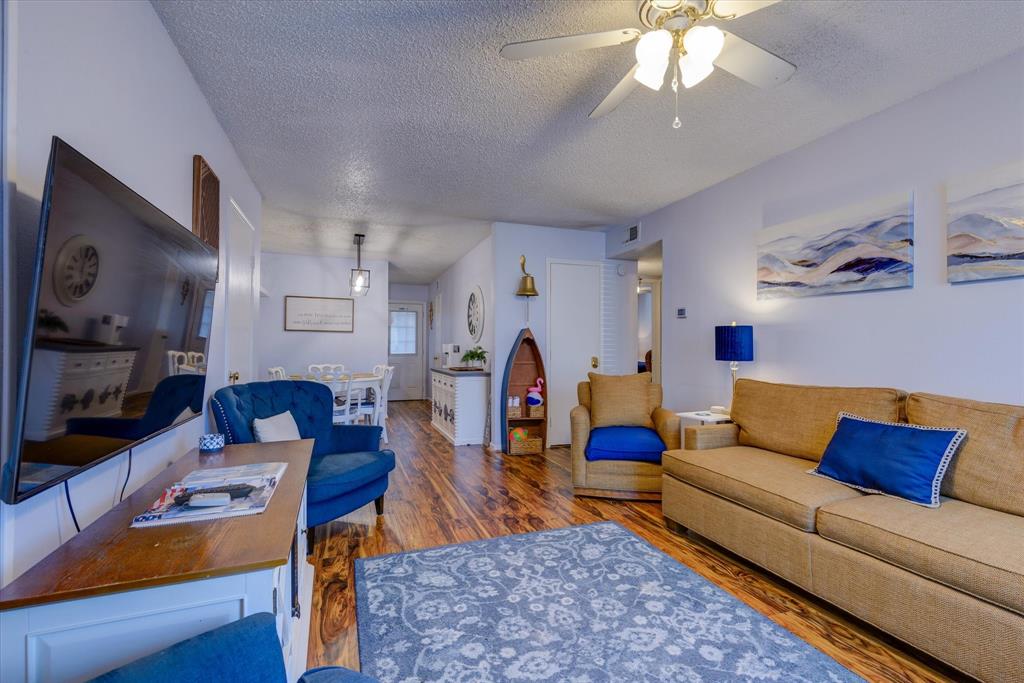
{"type": "Point", "coordinates": [475, 268]}
{"type": "Point", "coordinates": [965, 340]}
{"type": "Point", "coordinates": [106, 77]}
{"type": "Point", "coordinates": [538, 244]}
{"type": "Point", "coordinates": [286, 274]}
{"type": "Point", "coordinates": [400, 292]}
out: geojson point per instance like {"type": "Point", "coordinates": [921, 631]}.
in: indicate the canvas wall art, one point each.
{"type": "Point", "coordinates": [857, 248]}
{"type": "Point", "coordinates": [985, 225]}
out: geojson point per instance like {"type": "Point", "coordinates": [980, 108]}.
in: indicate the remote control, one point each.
{"type": "Point", "coordinates": [209, 500]}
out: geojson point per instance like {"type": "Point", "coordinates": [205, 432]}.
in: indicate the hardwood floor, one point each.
{"type": "Point", "coordinates": [440, 494]}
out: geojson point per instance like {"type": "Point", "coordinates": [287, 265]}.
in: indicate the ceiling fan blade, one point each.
{"type": "Point", "coordinates": [737, 8]}
{"type": "Point", "coordinates": [545, 47]}
{"type": "Point", "coordinates": [753, 64]}
{"type": "Point", "coordinates": [617, 95]}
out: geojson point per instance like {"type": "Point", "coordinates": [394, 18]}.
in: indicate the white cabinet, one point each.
{"type": "Point", "coordinates": [75, 381]}
{"type": "Point", "coordinates": [459, 405]}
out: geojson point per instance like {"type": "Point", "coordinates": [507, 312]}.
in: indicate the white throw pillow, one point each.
{"type": "Point", "coordinates": [280, 427]}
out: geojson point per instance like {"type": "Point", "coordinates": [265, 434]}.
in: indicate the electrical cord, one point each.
{"type": "Point", "coordinates": [71, 508]}
{"type": "Point", "coordinates": [127, 476]}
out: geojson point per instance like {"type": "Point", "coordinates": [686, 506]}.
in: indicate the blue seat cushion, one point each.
{"type": "Point", "coordinates": [625, 443]}
{"type": "Point", "coordinates": [336, 474]}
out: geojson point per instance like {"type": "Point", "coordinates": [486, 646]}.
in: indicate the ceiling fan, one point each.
{"type": "Point", "coordinates": [678, 37]}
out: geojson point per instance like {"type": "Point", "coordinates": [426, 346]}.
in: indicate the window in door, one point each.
{"type": "Point", "coordinates": [403, 327]}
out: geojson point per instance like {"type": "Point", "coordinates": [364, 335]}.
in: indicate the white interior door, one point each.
{"type": "Point", "coordinates": [406, 351]}
{"type": "Point", "coordinates": [242, 293]}
{"type": "Point", "coordinates": [573, 338]}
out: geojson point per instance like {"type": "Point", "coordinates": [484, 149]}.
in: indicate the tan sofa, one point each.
{"type": "Point", "coordinates": [949, 581]}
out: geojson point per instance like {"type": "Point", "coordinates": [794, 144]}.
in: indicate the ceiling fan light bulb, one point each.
{"type": "Point", "coordinates": [651, 75]}
{"type": "Point", "coordinates": [653, 48]}
{"type": "Point", "coordinates": [693, 71]}
{"type": "Point", "coordinates": [704, 42]}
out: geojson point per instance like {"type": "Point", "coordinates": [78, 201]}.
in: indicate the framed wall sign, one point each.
{"type": "Point", "coordinates": [319, 314]}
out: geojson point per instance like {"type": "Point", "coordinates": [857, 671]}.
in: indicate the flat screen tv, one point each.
{"type": "Point", "coordinates": [120, 311]}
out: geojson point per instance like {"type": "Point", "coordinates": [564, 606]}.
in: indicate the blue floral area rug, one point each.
{"type": "Point", "coordinates": [582, 604]}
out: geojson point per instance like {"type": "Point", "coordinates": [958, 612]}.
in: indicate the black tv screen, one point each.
{"type": "Point", "coordinates": [120, 313]}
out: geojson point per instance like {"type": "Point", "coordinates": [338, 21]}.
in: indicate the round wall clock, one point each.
{"type": "Point", "coordinates": [475, 314]}
{"type": "Point", "coordinates": [76, 270]}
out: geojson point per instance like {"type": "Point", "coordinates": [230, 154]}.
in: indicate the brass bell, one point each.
{"type": "Point", "coordinates": [526, 284]}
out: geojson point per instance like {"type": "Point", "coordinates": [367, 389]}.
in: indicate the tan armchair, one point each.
{"type": "Point", "coordinates": [625, 479]}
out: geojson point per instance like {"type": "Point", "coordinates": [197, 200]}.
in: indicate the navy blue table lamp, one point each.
{"type": "Point", "coordinates": [734, 343]}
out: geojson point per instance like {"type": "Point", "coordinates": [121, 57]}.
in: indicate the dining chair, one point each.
{"type": "Point", "coordinates": [175, 359]}
{"type": "Point", "coordinates": [276, 372]}
{"type": "Point", "coordinates": [196, 358]}
{"type": "Point", "coordinates": [347, 399]}
{"type": "Point", "coordinates": [332, 370]}
{"type": "Point", "coordinates": [377, 407]}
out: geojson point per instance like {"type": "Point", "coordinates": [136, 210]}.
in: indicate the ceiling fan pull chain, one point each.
{"type": "Point", "coordinates": [675, 88]}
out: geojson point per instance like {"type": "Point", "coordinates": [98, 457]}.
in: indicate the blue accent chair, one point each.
{"type": "Point", "coordinates": [244, 651]}
{"type": "Point", "coordinates": [348, 469]}
{"type": "Point", "coordinates": [170, 397]}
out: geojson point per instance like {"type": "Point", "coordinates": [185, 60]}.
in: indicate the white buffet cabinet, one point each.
{"type": "Point", "coordinates": [459, 402]}
{"type": "Point", "coordinates": [89, 628]}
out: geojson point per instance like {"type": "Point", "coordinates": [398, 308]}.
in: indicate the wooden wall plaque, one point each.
{"type": "Point", "coordinates": [205, 202]}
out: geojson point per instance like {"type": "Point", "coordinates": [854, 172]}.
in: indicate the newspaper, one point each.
{"type": "Point", "coordinates": [263, 477]}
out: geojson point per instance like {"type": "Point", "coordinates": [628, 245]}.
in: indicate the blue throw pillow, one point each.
{"type": "Point", "coordinates": [895, 459]}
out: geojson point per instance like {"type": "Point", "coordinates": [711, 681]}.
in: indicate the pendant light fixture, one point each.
{"type": "Point", "coordinates": [360, 279]}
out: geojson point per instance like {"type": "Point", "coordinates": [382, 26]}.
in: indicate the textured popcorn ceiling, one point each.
{"type": "Point", "coordinates": [400, 120]}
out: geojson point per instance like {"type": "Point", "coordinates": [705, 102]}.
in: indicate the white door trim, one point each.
{"type": "Point", "coordinates": [253, 258]}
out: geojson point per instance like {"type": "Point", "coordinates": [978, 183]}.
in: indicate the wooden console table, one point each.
{"type": "Point", "coordinates": [112, 594]}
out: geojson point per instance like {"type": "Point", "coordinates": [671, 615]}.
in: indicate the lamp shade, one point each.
{"type": "Point", "coordinates": [734, 342]}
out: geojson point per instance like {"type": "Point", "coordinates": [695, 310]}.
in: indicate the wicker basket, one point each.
{"type": "Point", "coordinates": [536, 411]}
{"type": "Point", "coordinates": [525, 447]}
{"type": "Point", "coordinates": [514, 412]}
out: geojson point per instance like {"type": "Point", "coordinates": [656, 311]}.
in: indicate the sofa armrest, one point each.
{"type": "Point", "coordinates": [666, 423]}
{"type": "Point", "coordinates": [579, 422]}
{"type": "Point", "coordinates": [711, 436]}
{"type": "Point", "coordinates": [351, 439]}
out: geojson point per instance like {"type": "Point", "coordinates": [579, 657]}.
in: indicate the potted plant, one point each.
{"type": "Point", "coordinates": [51, 323]}
{"type": "Point", "coordinates": [476, 357]}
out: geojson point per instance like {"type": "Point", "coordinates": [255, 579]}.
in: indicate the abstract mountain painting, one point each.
{"type": "Point", "coordinates": [985, 226]}
{"type": "Point", "coordinates": [854, 249]}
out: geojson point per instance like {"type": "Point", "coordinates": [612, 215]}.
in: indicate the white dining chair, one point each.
{"type": "Point", "coordinates": [347, 399]}
{"type": "Point", "coordinates": [196, 358]}
{"type": "Point", "coordinates": [377, 408]}
{"type": "Point", "coordinates": [175, 359]}
{"type": "Point", "coordinates": [277, 372]}
{"type": "Point", "coordinates": [326, 370]}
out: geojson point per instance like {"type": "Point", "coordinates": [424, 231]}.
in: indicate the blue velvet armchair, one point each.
{"type": "Point", "coordinates": [243, 651]}
{"type": "Point", "coordinates": [170, 398]}
{"type": "Point", "coordinates": [348, 469]}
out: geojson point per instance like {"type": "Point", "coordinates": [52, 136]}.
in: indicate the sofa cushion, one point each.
{"type": "Point", "coordinates": [279, 427]}
{"type": "Point", "coordinates": [967, 547]}
{"type": "Point", "coordinates": [989, 470]}
{"type": "Point", "coordinates": [800, 420]}
{"type": "Point", "coordinates": [620, 400]}
{"type": "Point", "coordinates": [773, 484]}
{"type": "Point", "coordinates": [906, 461]}
{"type": "Point", "coordinates": [339, 473]}
{"type": "Point", "coordinates": [625, 443]}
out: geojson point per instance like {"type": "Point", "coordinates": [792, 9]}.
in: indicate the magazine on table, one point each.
{"type": "Point", "coordinates": [259, 479]}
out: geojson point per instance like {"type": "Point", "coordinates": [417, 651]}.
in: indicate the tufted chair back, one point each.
{"type": "Point", "coordinates": [310, 403]}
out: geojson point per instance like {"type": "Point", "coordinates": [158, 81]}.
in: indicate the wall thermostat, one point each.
{"type": "Point", "coordinates": [680, 312]}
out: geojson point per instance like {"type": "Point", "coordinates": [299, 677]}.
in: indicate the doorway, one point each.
{"type": "Point", "coordinates": [241, 299]}
{"type": "Point", "coordinates": [573, 338]}
{"type": "Point", "coordinates": [406, 350]}
{"type": "Point", "coordinates": [648, 311]}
